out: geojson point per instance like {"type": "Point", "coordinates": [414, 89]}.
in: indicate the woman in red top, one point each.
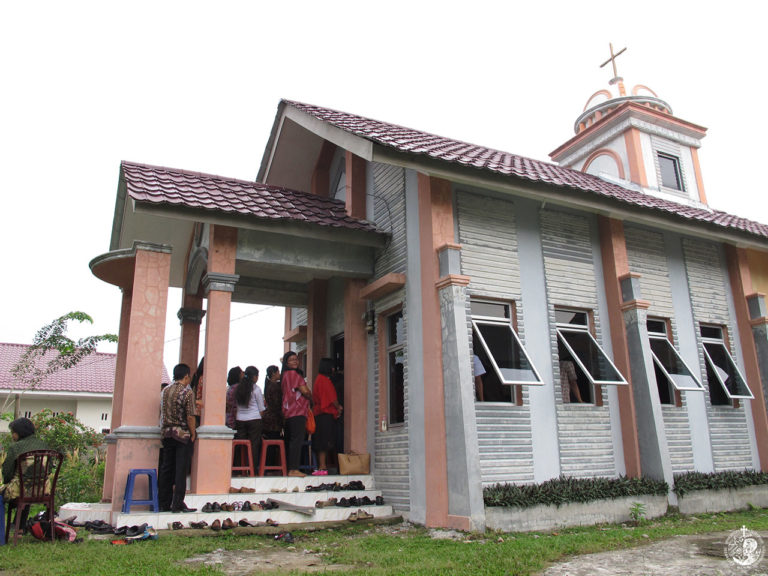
{"type": "Point", "coordinates": [326, 409]}
{"type": "Point", "coordinates": [296, 398]}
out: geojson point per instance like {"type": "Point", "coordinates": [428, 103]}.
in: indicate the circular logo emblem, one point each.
{"type": "Point", "coordinates": [744, 547]}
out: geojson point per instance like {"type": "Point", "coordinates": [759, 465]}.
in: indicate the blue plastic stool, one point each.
{"type": "Point", "coordinates": [152, 500]}
{"type": "Point", "coordinates": [2, 521]}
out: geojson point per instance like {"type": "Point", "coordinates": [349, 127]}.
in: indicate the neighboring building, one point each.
{"type": "Point", "coordinates": [402, 254]}
{"type": "Point", "coordinates": [84, 390]}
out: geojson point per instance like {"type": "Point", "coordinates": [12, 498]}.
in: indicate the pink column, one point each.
{"type": "Point", "coordinates": [191, 316]}
{"type": "Point", "coordinates": [355, 369]}
{"type": "Point", "coordinates": [316, 327]}
{"type": "Point", "coordinates": [117, 396]}
{"type": "Point", "coordinates": [140, 361]}
{"type": "Point", "coordinates": [211, 464]}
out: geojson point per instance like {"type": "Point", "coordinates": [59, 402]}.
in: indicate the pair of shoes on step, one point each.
{"type": "Point", "coordinates": [241, 490]}
{"type": "Point", "coordinates": [225, 525]}
{"type": "Point", "coordinates": [319, 472]}
{"type": "Point", "coordinates": [326, 503]}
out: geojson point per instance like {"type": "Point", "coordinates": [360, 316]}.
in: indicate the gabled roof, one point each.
{"type": "Point", "coordinates": [417, 143]}
{"type": "Point", "coordinates": [160, 185]}
{"type": "Point", "coordinates": [95, 374]}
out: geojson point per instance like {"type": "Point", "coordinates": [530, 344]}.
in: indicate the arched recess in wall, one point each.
{"type": "Point", "coordinates": [604, 161]}
{"type": "Point", "coordinates": [198, 264]}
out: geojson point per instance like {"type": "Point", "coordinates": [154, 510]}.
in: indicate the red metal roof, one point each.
{"type": "Point", "coordinates": [95, 374]}
{"type": "Point", "coordinates": [454, 151]}
{"type": "Point", "coordinates": [160, 185]}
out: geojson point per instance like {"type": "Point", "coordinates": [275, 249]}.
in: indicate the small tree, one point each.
{"type": "Point", "coordinates": [32, 368]}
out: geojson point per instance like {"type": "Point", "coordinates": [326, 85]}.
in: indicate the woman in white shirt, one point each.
{"type": "Point", "coordinates": [250, 404]}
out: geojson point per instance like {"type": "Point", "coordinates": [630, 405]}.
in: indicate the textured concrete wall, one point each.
{"type": "Point", "coordinates": [573, 514]}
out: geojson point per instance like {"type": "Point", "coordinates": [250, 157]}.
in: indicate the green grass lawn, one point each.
{"type": "Point", "coordinates": [365, 549]}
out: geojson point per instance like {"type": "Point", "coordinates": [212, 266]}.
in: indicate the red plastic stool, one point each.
{"type": "Point", "coordinates": [265, 445]}
{"type": "Point", "coordinates": [248, 456]}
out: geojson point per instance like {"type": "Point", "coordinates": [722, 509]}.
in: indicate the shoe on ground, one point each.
{"type": "Point", "coordinates": [363, 515]}
{"type": "Point", "coordinates": [216, 526]}
{"type": "Point", "coordinates": [198, 525]}
{"type": "Point", "coordinates": [175, 525]}
{"type": "Point", "coordinates": [352, 517]}
{"type": "Point", "coordinates": [228, 524]}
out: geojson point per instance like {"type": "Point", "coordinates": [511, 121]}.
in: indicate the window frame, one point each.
{"type": "Point", "coordinates": [710, 363]}
{"type": "Point", "coordinates": [678, 173]}
{"type": "Point", "coordinates": [663, 336]}
{"type": "Point", "coordinates": [390, 349]}
{"type": "Point", "coordinates": [586, 328]}
{"type": "Point", "coordinates": [478, 320]}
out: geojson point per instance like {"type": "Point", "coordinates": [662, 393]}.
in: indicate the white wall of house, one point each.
{"type": "Point", "coordinates": [94, 411]}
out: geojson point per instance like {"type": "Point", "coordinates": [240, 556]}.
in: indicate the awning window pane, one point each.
{"type": "Point", "coordinates": [590, 357]}
{"type": "Point", "coordinates": [670, 362]}
{"type": "Point", "coordinates": [506, 353]}
{"type": "Point", "coordinates": [724, 368]}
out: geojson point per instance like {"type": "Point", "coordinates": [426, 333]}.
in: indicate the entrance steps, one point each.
{"type": "Point", "coordinates": [291, 491]}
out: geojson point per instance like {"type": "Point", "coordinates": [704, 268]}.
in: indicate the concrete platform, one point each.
{"type": "Point", "coordinates": [281, 488]}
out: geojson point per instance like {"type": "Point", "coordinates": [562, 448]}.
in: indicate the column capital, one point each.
{"type": "Point", "coordinates": [190, 315]}
{"type": "Point", "coordinates": [220, 282]}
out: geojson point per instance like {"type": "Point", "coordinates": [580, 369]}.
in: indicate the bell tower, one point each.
{"type": "Point", "coordinates": [636, 141]}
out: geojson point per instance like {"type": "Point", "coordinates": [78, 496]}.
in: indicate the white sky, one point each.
{"type": "Point", "coordinates": [196, 85]}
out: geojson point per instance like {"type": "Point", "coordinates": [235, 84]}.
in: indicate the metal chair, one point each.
{"type": "Point", "coordinates": [38, 472]}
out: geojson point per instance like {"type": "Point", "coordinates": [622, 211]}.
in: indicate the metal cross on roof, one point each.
{"type": "Point", "coordinates": [616, 78]}
{"type": "Point", "coordinates": [613, 57]}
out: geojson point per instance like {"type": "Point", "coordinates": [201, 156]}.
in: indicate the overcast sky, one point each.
{"type": "Point", "coordinates": [196, 85]}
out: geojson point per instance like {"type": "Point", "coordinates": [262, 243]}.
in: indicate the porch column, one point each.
{"type": "Point", "coordinates": [211, 463]}
{"type": "Point", "coordinates": [316, 327]}
{"type": "Point", "coordinates": [117, 396]}
{"type": "Point", "coordinates": [615, 266]}
{"type": "Point", "coordinates": [355, 369]}
{"type": "Point", "coordinates": [190, 316]}
{"type": "Point", "coordinates": [136, 408]}
{"type": "Point", "coordinates": [747, 308]}
{"type": "Point", "coordinates": [759, 320]}
{"type": "Point", "coordinates": [652, 438]}
{"type": "Point", "coordinates": [466, 509]}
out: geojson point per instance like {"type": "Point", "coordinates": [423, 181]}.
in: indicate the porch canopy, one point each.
{"type": "Point", "coordinates": [221, 239]}
{"type": "Point", "coordinates": [285, 238]}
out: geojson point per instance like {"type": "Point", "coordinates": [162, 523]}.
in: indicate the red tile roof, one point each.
{"type": "Point", "coordinates": [454, 151]}
{"type": "Point", "coordinates": [95, 374]}
{"type": "Point", "coordinates": [160, 185]}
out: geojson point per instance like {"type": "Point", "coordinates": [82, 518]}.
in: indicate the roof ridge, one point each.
{"type": "Point", "coordinates": [446, 149]}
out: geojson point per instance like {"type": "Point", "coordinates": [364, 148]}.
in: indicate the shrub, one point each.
{"type": "Point", "coordinates": [80, 480]}
{"type": "Point", "coordinates": [64, 432]}
{"type": "Point", "coordinates": [568, 489]}
{"type": "Point", "coordinates": [690, 481]}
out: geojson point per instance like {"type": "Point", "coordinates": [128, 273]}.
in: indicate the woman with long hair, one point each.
{"type": "Point", "coordinates": [327, 410]}
{"type": "Point", "coordinates": [272, 419]}
{"type": "Point", "coordinates": [250, 406]}
{"type": "Point", "coordinates": [296, 404]}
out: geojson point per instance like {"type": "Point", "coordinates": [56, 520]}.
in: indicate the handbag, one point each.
{"type": "Point", "coordinates": [311, 425]}
{"type": "Point", "coordinates": [354, 463]}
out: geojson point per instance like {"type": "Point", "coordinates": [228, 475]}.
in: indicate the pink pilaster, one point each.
{"type": "Point", "coordinates": [316, 327]}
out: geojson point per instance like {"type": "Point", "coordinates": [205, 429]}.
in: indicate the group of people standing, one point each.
{"type": "Point", "coordinates": [281, 410]}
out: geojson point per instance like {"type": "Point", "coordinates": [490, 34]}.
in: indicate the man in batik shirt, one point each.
{"type": "Point", "coordinates": [178, 434]}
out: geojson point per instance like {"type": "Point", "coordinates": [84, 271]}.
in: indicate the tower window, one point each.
{"type": "Point", "coordinates": [670, 172]}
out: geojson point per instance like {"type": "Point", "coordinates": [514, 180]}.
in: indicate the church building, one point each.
{"type": "Point", "coordinates": [496, 318]}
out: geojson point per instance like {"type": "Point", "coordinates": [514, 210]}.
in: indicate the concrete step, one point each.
{"type": "Point", "coordinates": [290, 490]}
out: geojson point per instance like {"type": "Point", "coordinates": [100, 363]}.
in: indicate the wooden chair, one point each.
{"type": "Point", "coordinates": [38, 472]}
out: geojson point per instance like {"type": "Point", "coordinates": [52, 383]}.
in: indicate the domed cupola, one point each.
{"type": "Point", "coordinates": [635, 140]}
